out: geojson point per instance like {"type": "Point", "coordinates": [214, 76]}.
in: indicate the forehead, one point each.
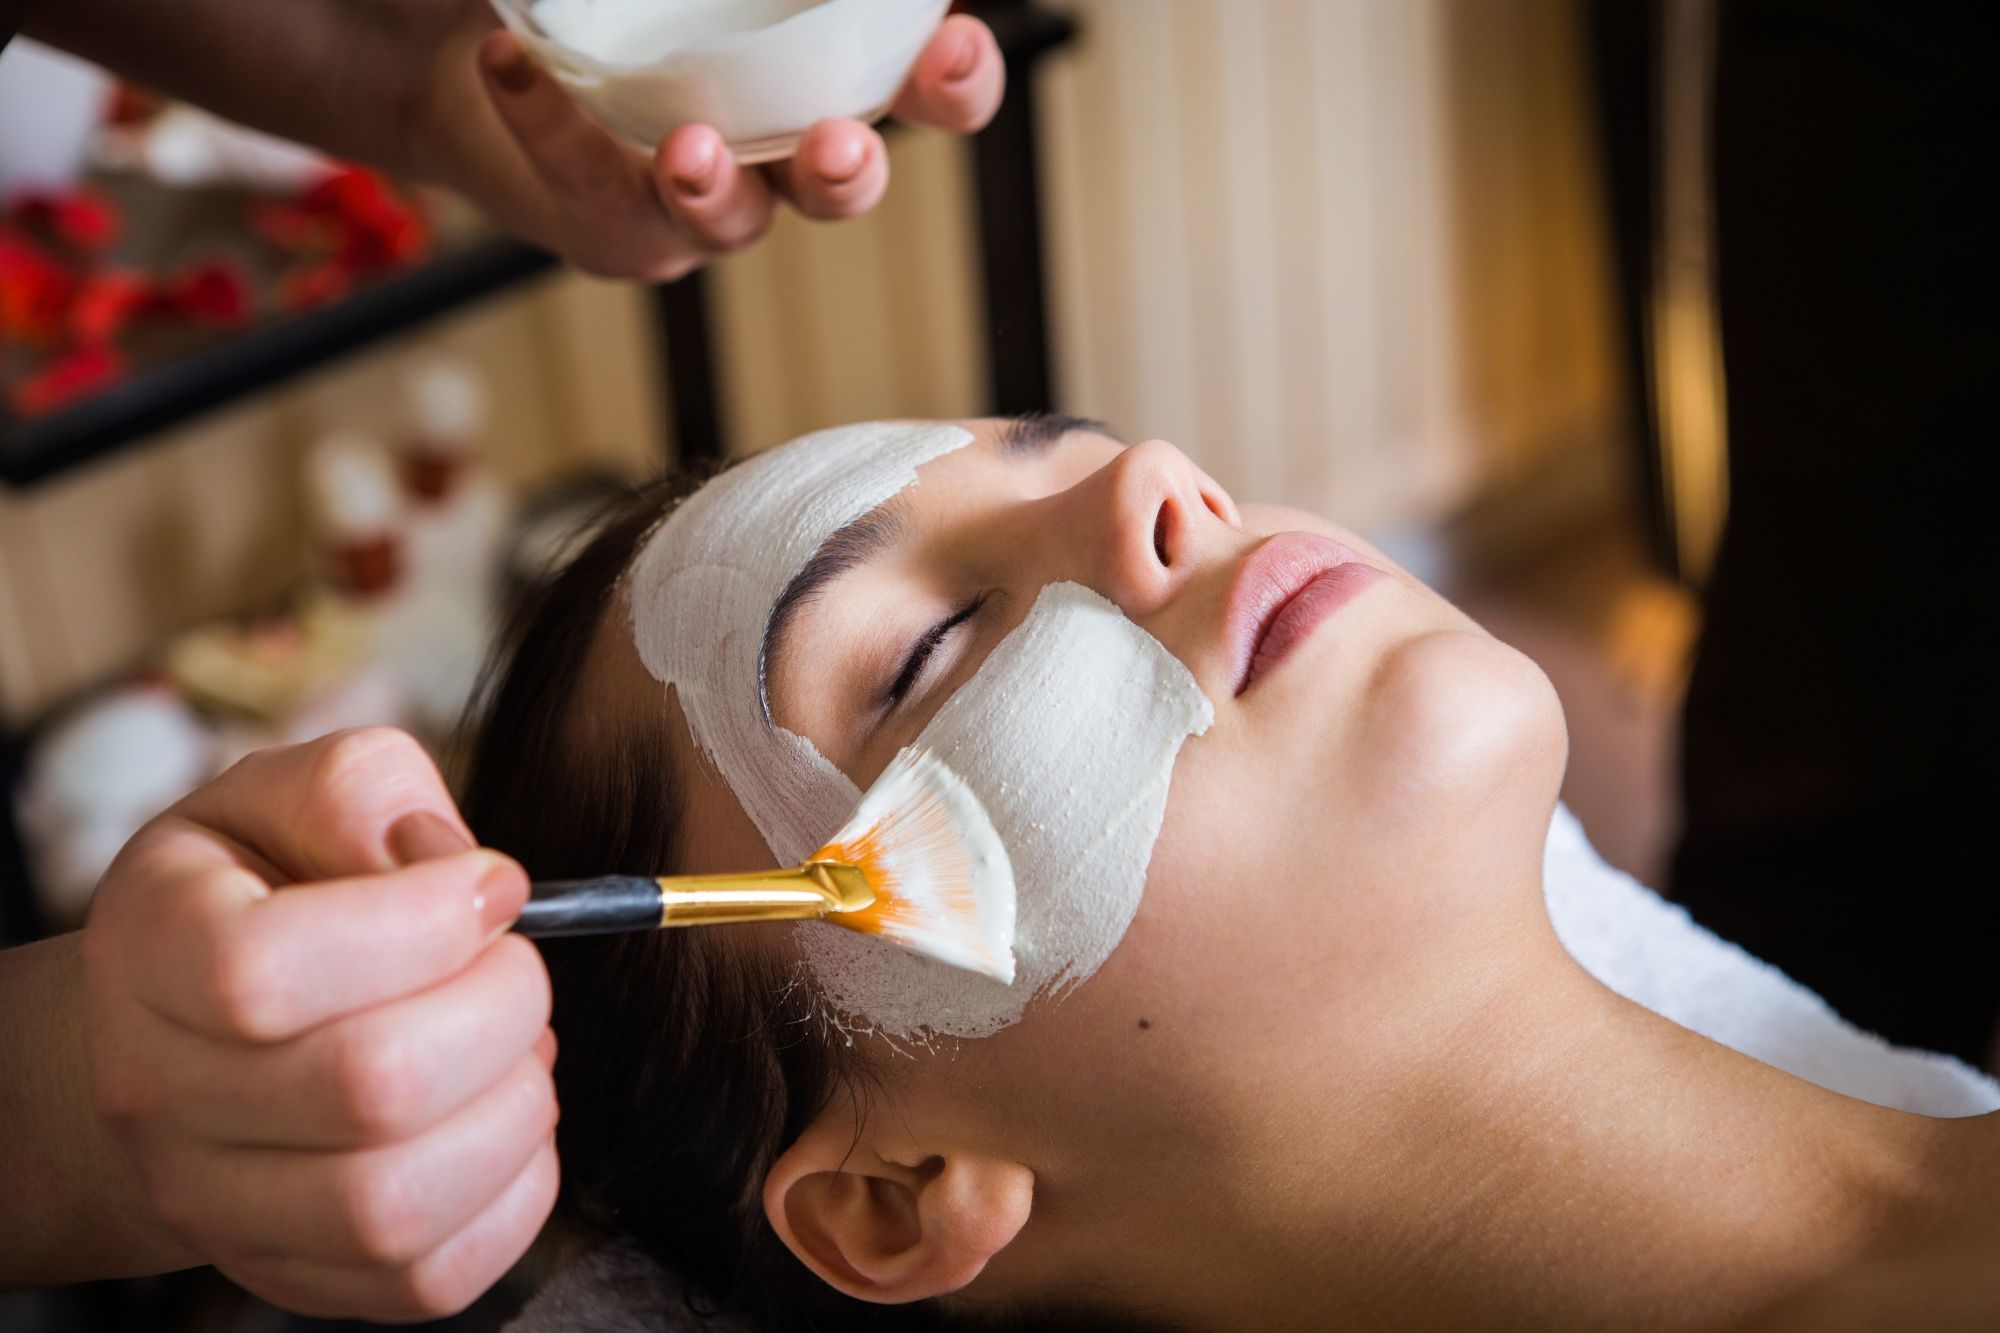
{"type": "Point", "coordinates": [971, 471]}
{"type": "Point", "coordinates": [995, 466]}
{"type": "Point", "coordinates": [700, 588]}
{"type": "Point", "coordinates": [860, 541]}
{"type": "Point", "coordinates": [996, 446]}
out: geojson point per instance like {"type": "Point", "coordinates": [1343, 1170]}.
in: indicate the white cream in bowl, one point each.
{"type": "Point", "coordinates": [762, 72]}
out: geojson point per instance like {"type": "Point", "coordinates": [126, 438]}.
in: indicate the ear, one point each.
{"type": "Point", "coordinates": [882, 1219]}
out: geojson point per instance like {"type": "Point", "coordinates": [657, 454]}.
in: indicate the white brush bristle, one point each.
{"type": "Point", "coordinates": [943, 884]}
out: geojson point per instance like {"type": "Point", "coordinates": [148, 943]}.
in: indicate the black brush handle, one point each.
{"type": "Point", "coordinates": [611, 905]}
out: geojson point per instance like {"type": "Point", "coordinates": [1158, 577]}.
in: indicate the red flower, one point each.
{"type": "Point", "coordinates": [35, 291]}
{"type": "Point", "coordinates": [79, 219]}
{"type": "Point", "coordinates": [104, 303]}
{"type": "Point", "coordinates": [354, 217]}
{"type": "Point", "coordinates": [381, 229]}
{"type": "Point", "coordinates": [64, 380]}
{"type": "Point", "coordinates": [214, 292]}
{"type": "Point", "coordinates": [87, 221]}
{"type": "Point", "coordinates": [318, 285]}
{"type": "Point", "coordinates": [61, 297]}
{"type": "Point", "coordinates": [294, 228]}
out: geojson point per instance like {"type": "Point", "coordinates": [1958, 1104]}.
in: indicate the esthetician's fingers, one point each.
{"type": "Point", "coordinates": [383, 1207]}
{"type": "Point", "coordinates": [609, 213]}
{"type": "Point", "coordinates": [959, 81]}
{"type": "Point", "coordinates": [376, 1077]}
{"type": "Point", "coordinates": [349, 803]}
{"type": "Point", "coordinates": [235, 961]}
{"type": "Point", "coordinates": [570, 151]}
{"type": "Point", "coordinates": [440, 1284]}
{"type": "Point", "coordinates": [841, 170]}
{"type": "Point", "coordinates": [453, 1275]}
{"type": "Point", "coordinates": [723, 206]}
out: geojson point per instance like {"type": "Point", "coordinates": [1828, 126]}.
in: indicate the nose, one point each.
{"type": "Point", "coordinates": [1155, 514]}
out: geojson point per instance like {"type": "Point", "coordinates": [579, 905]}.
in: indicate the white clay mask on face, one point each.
{"type": "Point", "coordinates": [1067, 733]}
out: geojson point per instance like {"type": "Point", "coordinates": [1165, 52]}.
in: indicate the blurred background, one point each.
{"type": "Point", "coordinates": [277, 435]}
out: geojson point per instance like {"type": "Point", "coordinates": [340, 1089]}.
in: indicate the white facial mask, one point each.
{"type": "Point", "coordinates": [1067, 733]}
{"type": "Point", "coordinates": [702, 590]}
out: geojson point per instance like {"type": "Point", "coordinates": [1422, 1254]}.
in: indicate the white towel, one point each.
{"type": "Point", "coordinates": [1652, 952]}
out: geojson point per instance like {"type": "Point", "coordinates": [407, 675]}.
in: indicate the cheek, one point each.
{"type": "Point", "coordinates": [1067, 734]}
{"type": "Point", "coordinates": [1300, 856]}
{"type": "Point", "coordinates": [1264, 945]}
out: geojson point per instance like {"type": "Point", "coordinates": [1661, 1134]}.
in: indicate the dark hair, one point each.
{"type": "Point", "coordinates": [688, 1060]}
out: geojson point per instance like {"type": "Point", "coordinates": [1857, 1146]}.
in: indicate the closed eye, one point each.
{"type": "Point", "coordinates": [925, 648]}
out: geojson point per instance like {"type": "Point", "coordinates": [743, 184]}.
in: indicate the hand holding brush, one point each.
{"type": "Point", "coordinates": [918, 864]}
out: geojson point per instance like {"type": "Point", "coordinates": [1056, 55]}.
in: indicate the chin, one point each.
{"type": "Point", "coordinates": [1467, 730]}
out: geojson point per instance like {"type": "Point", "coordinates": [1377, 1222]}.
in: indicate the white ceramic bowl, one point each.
{"type": "Point", "coordinates": [762, 72]}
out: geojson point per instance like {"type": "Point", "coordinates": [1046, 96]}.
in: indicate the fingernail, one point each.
{"type": "Point", "coordinates": [698, 177]}
{"type": "Point", "coordinates": [425, 836]}
{"type": "Point", "coordinates": [502, 891]}
{"type": "Point", "coordinates": [965, 62]}
{"type": "Point", "coordinates": [842, 162]}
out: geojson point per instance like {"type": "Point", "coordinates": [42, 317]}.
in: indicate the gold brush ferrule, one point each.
{"type": "Point", "coordinates": [801, 894]}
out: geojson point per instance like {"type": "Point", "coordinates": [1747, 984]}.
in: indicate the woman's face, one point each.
{"type": "Point", "coordinates": [1360, 823]}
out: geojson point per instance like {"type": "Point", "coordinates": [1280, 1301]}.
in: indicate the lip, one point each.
{"type": "Point", "coordinates": [1287, 588]}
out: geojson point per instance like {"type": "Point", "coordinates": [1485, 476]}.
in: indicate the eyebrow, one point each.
{"type": "Point", "coordinates": [846, 550]}
{"type": "Point", "coordinates": [1032, 432]}
{"type": "Point", "coordinates": [876, 531]}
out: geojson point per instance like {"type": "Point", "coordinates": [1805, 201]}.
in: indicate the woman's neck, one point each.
{"type": "Point", "coordinates": [1563, 1159]}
